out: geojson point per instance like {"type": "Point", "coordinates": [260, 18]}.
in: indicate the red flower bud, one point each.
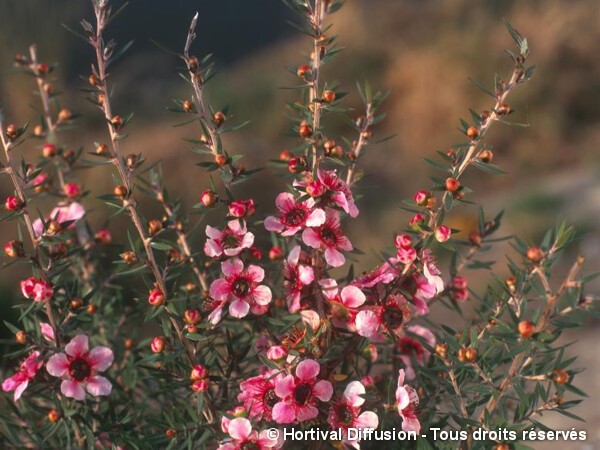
{"type": "Point", "coordinates": [156, 297]}
{"type": "Point", "coordinates": [199, 386]}
{"type": "Point", "coordinates": [13, 203]}
{"type": "Point", "coordinates": [208, 198]}
{"type": "Point", "coordinates": [276, 253]}
{"type": "Point", "coordinates": [422, 197]}
{"type": "Point", "coordinates": [526, 328]}
{"type": "Point", "coordinates": [158, 344]}
{"type": "Point", "coordinates": [328, 96]}
{"type": "Point", "coordinates": [14, 249]}
{"type": "Point", "coordinates": [103, 236]}
{"type": "Point", "coordinates": [535, 254]}
{"type": "Point", "coordinates": [72, 190]}
{"type": "Point", "coordinates": [49, 150]}
{"type": "Point", "coordinates": [403, 241]}
{"type": "Point", "coordinates": [199, 372]}
{"type": "Point", "coordinates": [472, 133]}
{"type": "Point", "coordinates": [304, 71]}
{"type": "Point", "coordinates": [191, 316]}
{"type": "Point", "coordinates": [452, 184]}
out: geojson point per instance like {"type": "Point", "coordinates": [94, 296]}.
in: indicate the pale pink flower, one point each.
{"type": "Point", "coordinates": [79, 367]}
{"type": "Point", "coordinates": [243, 437]}
{"type": "Point", "coordinates": [20, 380]}
{"type": "Point", "coordinates": [299, 394]}
{"type": "Point", "coordinates": [240, 288]}
{"type": "Point", "coordinates": [70, 213]}
{"type": "Point", "coordinates": [295, 277]}
{"type": "Point", "coordinates": [338, 191]}
{"type": "Point", "coordinates": [344, 304]}
{"type": "Point", "coordinates": [384, 274]}
{"type": "Point", "coordinates": [330, 238]}
{"type": "Point", "coordinates": [230, 242]}
{"type": "Point", "coordinates": [47, 331]}
{"type": "Point", "coordinates": [377, 321]}
{"type": "Point", "coordinates": [311, 319]}
{"type": "Point", "coordinates": [407, 400]}
{"type": "Point", "coordinates": [37, 290]}
{"type": "Point", "coordinates": [258, 394]}
{"type": "Point", "coordinates": [294, 216]}
{"type": "Point", "coordinates": [413, 350]}
{"type": "Point", "coordinates": [345, 413]}
{"type": "Point", "coordinates": [277, 353]}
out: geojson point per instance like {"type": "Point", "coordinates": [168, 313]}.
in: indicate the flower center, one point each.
{"type": "Point", "coordinates": [296, 216]}
{"type": "Point", "coordinates": [270, 398]}
{"type": "Point", "coordinates": [345, 416]}
{"type": "Point", "coordinates": [302, 394]}
{"type": "Point", "coordinates": [411, 346]}
{"type": "Point", "coordinates": [229, 240]}
{"type": "Point", "coordinates": [328, 235]}
{"type": "Point", "coordinates": [250, 446]}
{"type": "Point", "coordinates": [393, 317]}
{"type": "Point", "coordinates": [241, 287]}
{"type": "Point", "coordinates": [80, 369]}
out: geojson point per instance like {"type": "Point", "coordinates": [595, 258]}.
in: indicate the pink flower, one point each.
{"type": "Point", "coordinates": [258, 394]}
{"type": "Point", "coordinates": [299, 394]}
{"type": "Point", "coordinates": [403, 241]}
{"type": "Point", "coordinates": [231, 241]}
{"type": "Point", "coordinates": [20, 380]}
{"type": "Point", "coordinates": [71, 213]}
{"type": "Point", "coordinates": [338, 192]}
{"type": "Point", "coordinates": [241, 208]}
{"type": "Point", "coordinates": [36, 289]}
{"type": "Point", "coordinates": [384, 274]}
{"type": "Point", "coordinates": [345, 304]}
{"type": "Point", "coordinates": [295, 278]}
{"type": "Point", "coordinates": [406, 255]}
{"type": "Point", "coordinates": [346, 413]}
{"type": "Point", "coordinates": [240, 288]}
{"type": "Point", "coordinates": [311, 319]}
{"type": "Point", "coordinates": [407, 400]}
{"type": "Point", "coordinates": [47, 331]}
{"type": "Point", "coordinates": [422, 197]}
{"type": "Point", "coordinates": [329, 237]}
{"type": "Point", "coordinates": [443, 233]}
{"type": "Point", "coordinates": [431, 272]}
{"type": "Point", "coordinates": [412, 350]}
{"type": "Point", "coordinates": [79, 368]}
{"type": "Point", "coordinates": [377, 321]}
{"type": "Point", "coordinates": [294, 216]}
{"type": "Point", "coordinates": [277, 353]}
{"type": "Point", "coordinates": [242, 437]}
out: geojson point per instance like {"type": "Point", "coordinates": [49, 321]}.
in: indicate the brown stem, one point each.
{"type": "Point", "coordinates": [314, 102]}
{"type": "Point", "coordinates": [362, 141]}
{"type": "Point", "coordinates": [129, 202]}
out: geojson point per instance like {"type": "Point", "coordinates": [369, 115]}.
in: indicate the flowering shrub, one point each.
{"type": "Point", "coordinates": [154, 344]}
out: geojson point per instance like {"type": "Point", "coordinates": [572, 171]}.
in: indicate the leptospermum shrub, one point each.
{"type": "Point", "coordinates": [152, 343]}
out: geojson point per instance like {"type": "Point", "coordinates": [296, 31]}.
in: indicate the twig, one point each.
{"type": "Point", "coordinates": [367, 121]}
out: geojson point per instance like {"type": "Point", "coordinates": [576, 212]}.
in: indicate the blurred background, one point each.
{"type": "Point", "coordinates": [423, 50]}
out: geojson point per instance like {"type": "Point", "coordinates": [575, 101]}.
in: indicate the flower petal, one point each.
{"type": "Point", "coordinates": [239, 428]}
{"type": "Point", "coordinates": [323, 390]}
{"type": "Point", "coordinates": [285, 386]}
{"type": "Point", "coordinates": [307, 412]}
{"type": "Point", "coordinates": [334, 258]}
{"type": "Point", "coordinates": [256, 273]}
{"type": "Point", "coordinates": [311, 238]}
{"type": "Point", "coordinates": [283, 413]}
{"type": "Point", "coordinates": [78, 346]}
{"type": "Point", "coordinates": [239, 308]}
{"type": "Point", "coordinates": [354, 392]}
{"type": "Point", "coordinates": [99, 386]}
{"type": "Point", "coordinates": [353, 297]}
{"type": "Point", "coordinates": [316, 218]}
{"type": "Point", "coordinates": [101, 358]}
{"type": "Point", "coordinates": [220, 289]}
{"type": "Point", "coordinates": [262, 295]}
{"type": "Point", "coordinates": [232, 267]}
{"type": "Point", "coordinates": [57, 365]}
{"type": "Point", "coordinates": [367, 419]}
{"type": "Point", "coordinates": [274, 224]}
{"type": "Point", "coordinates": [72, 389]}
{"type": "Point", "coordinates": [308, 370]}
{"type": "Point", "coordinates": [20, 389]}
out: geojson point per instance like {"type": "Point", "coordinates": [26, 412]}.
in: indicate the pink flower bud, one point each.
{"type": "Point", "coordinates": [255, 252]}
{"type": "Point", "coordinates": [443, 233]}
{"type": "Point", "coordinates": [459, 282]}
{"type": "Point", "coordinates": [13, 203]}
{"type": "Point", "coordinates": [403, 241]}
{"type": "Point", "coordinates": [241, 208]}
{"type": "Point", "coordinates": [276, 253]}
{"type": "Point", "coordinates": [199, 372]}
{"type": "Point", "coordinates": [103, 236]}
{"type": "Point", "coordinates": [367, 381]}
{"type": "Point", "coordinates": [158, 344]}
{"type": "Point", "coordinates": [72, 190]}
{"type": "Point", "coordinates": [200, 385]}
{"type": "Point", "coordinates": [277, 353]}
{"type": "Point", "coordinates": [315, 189]}
{"type": "Point", "coordinates": [371, 352]}
{"type": "Point", "coordinates": [156, 297]}
{"type": "Point", "coordinates": [27, 286]}
{"type": "Point", "coordinates": [460, 295]}
{"type": "Point", "coordinates": [407, 255]}
{"type": "Point", "coordinates": [191, 316]}
{"type": "Point", "coordinates": [42, 291]}
{"type": "Point", "coordinates": [417, 220]}
{"type": "Point", "coordinates": [422, 197]}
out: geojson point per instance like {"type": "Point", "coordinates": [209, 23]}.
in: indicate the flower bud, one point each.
{"type": "Point", "coordinates": [315, 189]}
{"type": "Point", "coordinates": [459, 282]}
{"type": "Point", "coordinates": [255, 252]}
{"type": "Point", "coordinates": [76, 303]}
{"type": "Point", "coordinates": [14, 249]}
{"type": "Point", "coordinates": [49, 150]}
{"type": "Point", "coordinates": [277, 353]}
{"type": "Point", "coordinates": [242, 208]}
{"type": "Point", "coordinates": [219, 118]}
{"type": "Point", "coordinates": [64, 115]}
{"type": "Point", "coordinates": [560, 376]}
{"type": "Point", "coordinates": [417, 220]}
{"type": "Point", "coordinates": [304, 130]}
{"type": "Point", "coordinates": [441, 350]}
{"type": "Point", "coordinates": [103, 236]}
{"type": "Point", "coordinates": [329, 145]}
{"type": "Point", "coordinates": [131, 160]}
{"type": "Point", "coordinates": [53, 416]}
{"type": "Point", "coordinates": [121, 191]}
{"type": "Point", "coordinates": [171, 433]}
{"type": "Point", "coordinates": [154, 226]}
{"type": "Point", "coordinates": [275, 253]}
{"type": "Point", "coordinates": [199, 372]}
{"type": "Point", "coordinates": [297, 164]}
{"type": "Point", "coordinates": [304, 72]}
{"type": "Point", "coordinates": [503, 109]}
{"type": "Point", "coordinates": [452, 184]}
{"type": "Point", "coordinates": [220, 160]}
{"type": "Point", "coordinates": [526, 328]}
{"type": "Point", "coordinates": [12, 131]}
{"type": "Point", "coordinates": [117, 122]}
{"type": "Point", "coordinates": [193, 64]}
{"type": "Point", "coordinates": [470, 354]}
{"type": "Point", "coordinates": [200, 385]}
{"type": "Point", "coordinates": [158, 344]}
{"type": "Point", "coordinates": [129, 344]}
{"type": "Point", "coordinates": [208, 198]}
{"type": "Point", "coordinates": [13, 203]}
{"type": "Point", "coordinates": [443, 233]}
{"type": "Point", "coordinates": [101, 149]}
{"type": "Point", "coordinates": [535, 254]}
{"type": "Point", "coordinates": [422, 197]}
{"type": "Point", "coordinates": [21, 337]}
{"type": "Point", "coordinates": [328, 96]}
{"type": "Point", "coordinates": [156, 297]}
{"type": "Point", "coordinates": [187, 106]}
{"type": "Point", "coordinates": [486, 156]}
{"type": "Point", "coordinates": [475, 238]}
{"type": "Point", "coordinates": [72, 190]}
{"type": "Point", "coordinates": [403, 241]}
{"type": "Point", "coordinates": [472, 133]}
{"type": "Point", "coordinates": [129, 257]}
{"type": "Point", "coordinates": [192, 316]}
{"type": "Point", "coordinates": [91, 309]}
{"type": "Point", "coordinates": [38, 130]}
{"type": "Point", "coordinates": [285, 155]}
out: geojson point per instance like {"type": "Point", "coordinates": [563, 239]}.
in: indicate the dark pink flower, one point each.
{"type": "Point", "coordinates": [384, 274]}
{"type": "Point", "coordinates": [345, 413]}
{"type": "Point", "coordinates": [230, 242]}
{"type": "Point", "coordinates": [296, 276]}
{"type": "Point", "coordinates": [243, 437]}
{"type": "Point", "coordinates": [377, 321]}
{"type": "Point", "coordinates": [240, 288]}
{"type": "Point", "coordinates": [79, 368]}
{"type": "Point", "coordinates": [47, 331]}
{"type": "Point", "coordinates": [20, 380]}
{"type": "Point", "coordinates": [294, 216]}
{"type": "Point", "coordinates": [37, 290]}
{"type": "Point", "coordinates": [344, 305]}
{"type": "Point", "coordinates": [412, 349]}
{"type": "Point", "coordinates": [258, 394]}
{"type": "Point", "coordinates": [407, 400]}
{"type": "Point", "coordinates": [72, 190]}
{"type": "Point", "coordinates": [330, 238]}
{"type": "Point", "coordinates": [241, 208]}
{"type": "Point", "coordinates": [299, 394]}
{"type": "Point", "coordinates": [338, 192]}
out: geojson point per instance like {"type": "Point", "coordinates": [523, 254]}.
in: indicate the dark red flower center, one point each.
{"type": "Point", "coordinates": [393, 317]}
{"type": "Point", "coordinates": [296, 216]}
{"type": "Point", "coordinates": [241, 287]}
{"type": "Point", "coordinates": [270, 398]}
{"type": "Point", "coordinates": [302, 394]}
{"type": "Point", "coordinates": [250, 446]}
{"type": "Point", "coordinates": [80, 369]}
{"type": "Point", "coordinates": [329, 236]}
{"type": "Point", "coordinates": [411, 346]}
{"type": "Point", "coordinates": [229, 240]}
{"type": "Point", "coordinates": [345, 415]}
